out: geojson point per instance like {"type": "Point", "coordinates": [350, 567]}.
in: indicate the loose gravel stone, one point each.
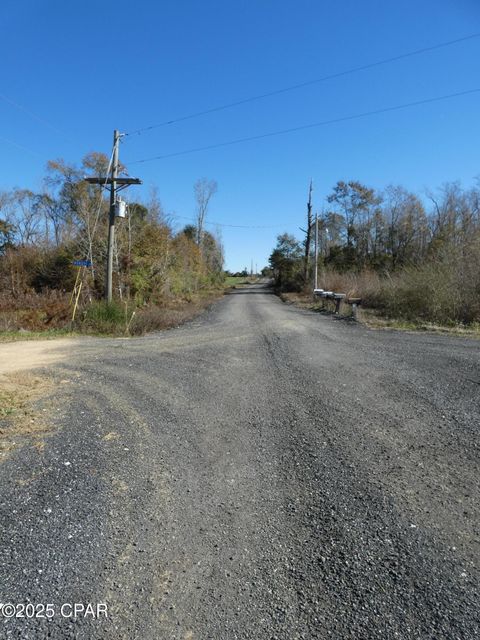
{"type": "Point", "coordinates": [260, 472]}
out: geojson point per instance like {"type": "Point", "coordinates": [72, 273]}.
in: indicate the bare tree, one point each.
{"type": "Point", "coordinates": [406, 226]}
{"type": "Point", "coordinates": [353, 200]}
{"type": "Point", "coordinates": [308, 234]}
{"type": "Point", "coordinates": [156, 212]}
{"type": "Point", "coordinates": [26, 216]}
{"type": "Point", "coordinates": [7, 230]}
{"type": "Point", "coordinates": [204, 189]}
{"type": "Point", "coordinates": [54, 216]}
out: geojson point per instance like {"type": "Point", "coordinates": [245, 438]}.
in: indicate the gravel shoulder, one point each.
{"type": "Point", "coordinates": [260, 472]}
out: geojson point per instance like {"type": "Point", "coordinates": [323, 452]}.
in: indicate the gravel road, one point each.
{"type": "Point", "coordinates": [261, 472]}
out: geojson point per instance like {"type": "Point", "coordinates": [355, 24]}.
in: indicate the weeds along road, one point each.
{"type": "Point", "coordinates": [261, 472]}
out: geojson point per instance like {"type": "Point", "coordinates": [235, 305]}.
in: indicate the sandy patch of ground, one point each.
{"type": "Point", "coordinates": [21, 356]}
{"type": "Point", "coordinates": [21, 419]}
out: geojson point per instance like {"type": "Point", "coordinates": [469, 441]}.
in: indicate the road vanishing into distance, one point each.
{"type": "Point", "coordinates": [261, 472]}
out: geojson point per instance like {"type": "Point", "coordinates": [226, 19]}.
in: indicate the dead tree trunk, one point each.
{"type": "Point", "coordinates": [308, 237]}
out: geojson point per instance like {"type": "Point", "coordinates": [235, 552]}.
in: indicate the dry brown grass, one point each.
{"type": "Point", "coordinates": [34, 312]}
{"type": "Point", "coordinates": [172, 314]}
{"type": "Point", "coordinates": [363, 285]}
{"type": "Point", "coordinates": [426, 298]}
{"type": "Point", "coordinates": [305, 300]}
{"type": "Point", "coordinates": [34, 315]}
{"type": "Point", "coordinates": [20, 419]}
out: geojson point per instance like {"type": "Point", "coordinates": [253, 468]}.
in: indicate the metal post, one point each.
{"type": "Point", "coordinates": [111, 226]}
{"type": "Point", "coordinates": [316, 251]}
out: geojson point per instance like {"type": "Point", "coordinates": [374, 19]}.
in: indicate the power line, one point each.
{"type": "Point", "coordinates": [20, 146]}
{"type": "Point", "coordinates": [309, 126]}
{"type": "Point", "coordinates": [234, 226]}
{"type": "Point", "coordinates": [100, 200]}
{"type": "Point", "coordinates": [308, 83]}
{"type": "Point", "coordinates": [31, 114]}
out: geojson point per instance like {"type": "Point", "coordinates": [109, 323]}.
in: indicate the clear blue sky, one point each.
{"type": "Point", "coordinates": [89, 67]}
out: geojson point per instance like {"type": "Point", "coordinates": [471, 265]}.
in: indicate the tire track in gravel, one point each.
{"type": "Point", "coordinates": [261, 472]}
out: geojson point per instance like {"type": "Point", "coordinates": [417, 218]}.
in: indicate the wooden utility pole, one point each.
{"type": "Point", "coordinates": [116, 184]}
{"type": "Point", "coordinates": [111, 224]}
{"type": "Point", "coordinates": [315, 286]}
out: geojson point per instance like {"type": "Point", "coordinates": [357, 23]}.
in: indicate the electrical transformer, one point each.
{"type": "Point", "coordinates": [120, 208]}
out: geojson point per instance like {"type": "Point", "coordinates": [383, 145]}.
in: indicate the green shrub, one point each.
{"type": "Point", "coordinates": [106, 318]}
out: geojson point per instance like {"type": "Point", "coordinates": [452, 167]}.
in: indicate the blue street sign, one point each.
{"type": "Point", "coordinates": [82, 263]}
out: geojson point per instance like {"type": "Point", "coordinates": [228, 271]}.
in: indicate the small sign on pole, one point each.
{"type": "Point", "coordinates": [82, 263]}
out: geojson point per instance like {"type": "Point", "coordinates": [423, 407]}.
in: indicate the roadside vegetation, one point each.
{"type": "Point", "coordinates": [162, 275]}
{"type": "Point", "coordinates": [412, 262]}
{"type": "Point", "coordinates": [240, 278]}
{"type": "Point", "coordinates": [20, 419]}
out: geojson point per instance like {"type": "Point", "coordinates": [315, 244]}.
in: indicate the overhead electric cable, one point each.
{"type": "Point", "coordinates": [309, 126]}
{"type": "Point", "coordinates": [31, 114]}
{"type": "Point", "coordinates": [20, 146]}
{"type": "Point", "coordinates": [307, 83]}
{"type": "Point", "coordinates": [235, 226]}
{"type": "Point", "coordinates": [100, 201]}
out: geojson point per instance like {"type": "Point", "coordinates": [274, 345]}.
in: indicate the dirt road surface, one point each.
{"type": "Point", "coordinates": [29, 354]}
{"type": "Point", "coordinates": [261, 472]}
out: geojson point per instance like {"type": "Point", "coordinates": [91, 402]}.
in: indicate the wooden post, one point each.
{"type": "Point", "coordinates": [76, 301]}
{"type": "Point", "coordinates": [316, 251]}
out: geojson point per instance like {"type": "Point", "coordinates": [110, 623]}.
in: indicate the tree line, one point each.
{"type": "Point", "coordinates": [424, 247]}
{"type": "Point", "coordinates": [42, 233]}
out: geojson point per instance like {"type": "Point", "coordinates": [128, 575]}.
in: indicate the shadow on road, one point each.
{"type": "Point", "coordinates": [249, 291]}
{"type": "Point", "coordinates": [262, 287]}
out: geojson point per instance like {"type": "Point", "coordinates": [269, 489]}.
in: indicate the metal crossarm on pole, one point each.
{"type": "Point", "coordinates": [116, 184]}
{"type": "Point", "coordinates": [119, 181]}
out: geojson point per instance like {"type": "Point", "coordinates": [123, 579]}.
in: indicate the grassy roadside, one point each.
{"type": "Point", "coordinates": [120, 319]}
{"type": "Point", "coordinates": [236, 281]}
{"type": "Point", "coordinates": [374, 320]}
{"type": "Point", "coordinates": [50, 334]}
{"type": "Point", "coordinates": [20, 420]}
